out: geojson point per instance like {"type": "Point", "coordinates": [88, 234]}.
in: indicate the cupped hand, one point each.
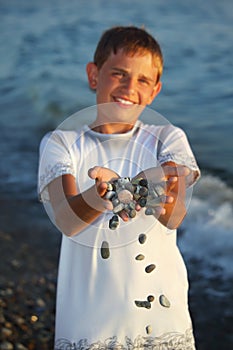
{"type": "Point", "coordinates": [102, 175]}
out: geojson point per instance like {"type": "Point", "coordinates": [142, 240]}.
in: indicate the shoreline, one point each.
{"type": "Point", "coordinates": [29, 248]}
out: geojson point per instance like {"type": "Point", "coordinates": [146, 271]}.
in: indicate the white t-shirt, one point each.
{"type": "Point", "coordinates": [137, 296]}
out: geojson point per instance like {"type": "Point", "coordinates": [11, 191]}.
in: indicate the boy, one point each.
{"type": "Point", "coordinates": [128, 288]}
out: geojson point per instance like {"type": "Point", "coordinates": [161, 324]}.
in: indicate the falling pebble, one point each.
{"type": "Point", "coordinates": [150, 298]}
{"type": "Point", "coordinates": [143, 303]}
{"type": "Point", "coordinates": [148, 329]}
{"type": "Point", "coordinates": [164, 301]}
{"type": "Point", "coordinates": [104, 250]}
{"type": "Point", "coordinates": [142, 238]}
{"type": "Point", "coordinates": [140, 257]}
{"type": "Point", "coordinates": [150, 268]}
{"type": "Point", "coordinates": [114, 222]}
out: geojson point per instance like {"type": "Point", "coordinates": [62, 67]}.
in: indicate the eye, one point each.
{"type": "Point", "coordinates": [117, 74]}
{"type": "Point", "coordinates": [143, 81]}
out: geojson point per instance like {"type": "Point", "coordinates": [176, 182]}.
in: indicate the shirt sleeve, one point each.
{"type": "Point", "coordinates": [55, 160]}
{"type": "Point", "coordinates": [173, 146]}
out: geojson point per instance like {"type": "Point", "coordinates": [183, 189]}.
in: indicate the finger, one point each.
{"type": "Point", "coordinates": [159, 211]}
{"type": "Point", "coordinates": [169, 199]}
{"type": "Point", "coordinates": [172, 180]}
{"type": "Point", "coordinates": [156, 212]}
{"type": "Point", "coordinates": [138, 207]}
{"type": "Point", "coordinates": [123, 215]}
{"type": "Point", "coordinates": [102, 189]}
{"type": "Point", "coordinates": [93, 172]}
{"type": "Point", "coordinates": [163, 200]}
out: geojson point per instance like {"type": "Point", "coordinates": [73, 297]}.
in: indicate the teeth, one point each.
{"type": "Point", "coordinates": [126, 102]}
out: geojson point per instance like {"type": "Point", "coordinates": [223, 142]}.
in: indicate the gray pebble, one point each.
{"type": "Point", "coordinates": [150, 298]}
{"type": "Point", "coordinates": [122, 181]}
{"type": "Point", "coordinates": [115, 201]}
{"type": "Point", "coordinates": [159, 189]}
{"type": "Point", "coordinates": [140, 257]}
{"type": "Point", "coordinates": [150, 268]}
{"type": "Point", "coordinates": [137, 189]}
{"type": "Point", "coordinates": [143, 182]}
{"type": "Point", "coordinates": [164, 301]}
{"type": "Point", "coordinates": [136, 181]}
{"type": "Point", "coordinates": [153, 202]}
{"type": "Point", "coordinates": [104, 250]}
{"type": "Point", "coordinates": [143, 192]}
{"type": "Point", "coordinates": [142, 238]}
{"type": "Point", "coordinates": [148, 329]}
{"type": "Point", "coordinates": [129, 187]}
{"type": "Point", "coordinates": [142, 202]}
{"type": "Point", "coordinates": [132, 213]}
{"type": "Point", "coordinates": [109, 186]}
{"type": "Point", "coordinates": [118, 208]}
{"type": "Point", "coordinates": [125, 196]}
{"type": "Point", "coordinates": [114, 222]}
{"type": "Point", "coordinates": [131, 206]}
{"type": "Point", "coordinates": [143, 303]}
{"type": "Point", "coordinates": [150, 211]}
{"type": "Point", "coordinates": [109, 195]}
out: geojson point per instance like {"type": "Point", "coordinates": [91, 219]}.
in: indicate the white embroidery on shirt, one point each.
{"type": "Point", "coordinates": [52, 172]}
{"type": "Point", "coordinates": [168, 341]}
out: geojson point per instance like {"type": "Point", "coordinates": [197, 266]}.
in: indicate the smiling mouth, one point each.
{"type": "Point", "coordinates": [122, 101]}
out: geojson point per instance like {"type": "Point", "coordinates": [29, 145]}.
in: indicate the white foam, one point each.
{"type": "Point", "coordinates": [208, 226]}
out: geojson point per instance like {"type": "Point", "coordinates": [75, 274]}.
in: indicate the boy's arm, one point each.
{"type": "Point", "coordinates": [175, 210]}
{"type": "Point", "coordinates": [74, 211]}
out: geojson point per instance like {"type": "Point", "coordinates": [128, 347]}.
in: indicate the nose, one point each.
{"type": "Point", "coordinates": [129, 84]}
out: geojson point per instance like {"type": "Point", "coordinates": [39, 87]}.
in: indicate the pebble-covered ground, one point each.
{"type": "Point", "coordinates": [29, 250]}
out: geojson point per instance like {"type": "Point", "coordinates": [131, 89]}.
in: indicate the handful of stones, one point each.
{"type": "Point", "coordinates": [125, 194]}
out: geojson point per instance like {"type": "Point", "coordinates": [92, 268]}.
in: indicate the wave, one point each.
{"type": "Point", "coordinates": [208, 231]}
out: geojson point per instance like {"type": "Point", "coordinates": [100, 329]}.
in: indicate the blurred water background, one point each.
{"type": "Point", "coordinates": [44, 47]}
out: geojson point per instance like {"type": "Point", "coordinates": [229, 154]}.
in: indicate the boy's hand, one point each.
{"type": "Point", "coordinates": [170, 174]}
{"type": "Point", "coordinates": [101, 176]}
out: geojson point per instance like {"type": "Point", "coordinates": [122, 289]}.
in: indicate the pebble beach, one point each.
{"type": "Point", "coordinates": [29, 256]}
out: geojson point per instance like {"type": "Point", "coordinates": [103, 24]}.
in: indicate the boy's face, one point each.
{"type": "Point", "coordinates": [125, 80]}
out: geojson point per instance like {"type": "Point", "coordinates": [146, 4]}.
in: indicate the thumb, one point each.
{"type": "Point", "coordinates": [93, 172]}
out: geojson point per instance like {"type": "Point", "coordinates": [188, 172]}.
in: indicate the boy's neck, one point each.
{"type": "Point", "coordinates": [112, 128]}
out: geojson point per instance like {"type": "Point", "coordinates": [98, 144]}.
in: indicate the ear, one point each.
{"type": "Point", "coordinates": [156, 90]}
{"type": "Point", "coordinates": [92, 75]}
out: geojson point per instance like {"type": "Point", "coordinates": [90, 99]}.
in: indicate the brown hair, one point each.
{"type": "Point", "coordinates": [132, 40]}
